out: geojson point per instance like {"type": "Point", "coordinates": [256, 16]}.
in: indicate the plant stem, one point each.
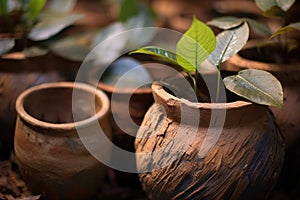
{"type": "Point", "coordinates": [194, 81]}
{"type": "Point", "coordinates": [218, 83]}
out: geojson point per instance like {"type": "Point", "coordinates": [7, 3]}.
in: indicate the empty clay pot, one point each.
{"type": "Point", "coordinates": [178, 159]}
{"type": "Point", "coordinates": [51, 156]}
{"type": "Point", "coordinates": [17, 75]}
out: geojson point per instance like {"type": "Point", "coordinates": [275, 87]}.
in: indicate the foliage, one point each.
{"type": "Point", "coordinates": [199, 43]}
{"type": "Point", "coordinates": [137, 15]}
{"type": "Point", "coordinates": [37, 20]}
{"type": "Point", "coordinates": [270, 8]}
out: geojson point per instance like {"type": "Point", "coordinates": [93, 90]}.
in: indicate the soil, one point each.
{"type": "Point", "coordinates": [12, 187]}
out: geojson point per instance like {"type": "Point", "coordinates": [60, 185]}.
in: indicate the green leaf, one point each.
{"type": "Point", "coordinates": [225, 22]}
{"type": "Point", "coordinates": [265, 4]}
{"type": "Point", "coordinates": [258, 27]}
{"type": "Point", "coordinates": [74, 48]}
{"type": "Point", "coordinates": [229, 42]}
{"type": "Point", "coordinates": [157, 51]}
{"type": "Point", "coordinates": [288, 28]}
{"type": "Point", "coordinates": [34, 9]}
{"type": "Point", "coordinates": [269, 5]}
{"type": "Point", "coordinates": [35, 51]}
{"type": "Point", "coordinates": [257, 86]}
{"type": "Point", "coordinates": [61, 6]}
{"type": "Point", "coordinates": [109, 44]}
{"type": "Point", "coordinates": [274, 11]}
{"type": "Point", "coordinates": [195, 46]}
{"type": "Point", "coordinates": [285, 4]}
{"type": "Point", "coordinates": [3, 7]}
{"type": "Point", "coordinates": [128, 9]}
{"type": "Point", "coordinates": [6, 45]}
{"type": "Point", "coordinates": [110, 31]}
{"type": "Point", "coordinates": [48, 28]}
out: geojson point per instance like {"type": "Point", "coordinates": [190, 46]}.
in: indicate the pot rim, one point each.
{"type": "Point", "coordinates": [165, 96]}
{"type": "Point", "coordinates": [62, 126]}
{"type": "Point", "coordinates": [247, 63]}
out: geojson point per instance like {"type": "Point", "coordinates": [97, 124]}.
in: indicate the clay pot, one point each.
{"type": "Point", "coordinates": [289, 77]}
{"type": "Point", "coordinates": [182, 161]}
{"type": "Point", "coordinates": [52, 159]}
{"type": "Point", "coordinates": [18, 74]}
{"type": "Point", "coordinates": [128, 104]}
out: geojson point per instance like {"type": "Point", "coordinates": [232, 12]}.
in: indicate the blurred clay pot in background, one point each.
{"type": "Point", "coordinates": [51, 156]}
{"type": "Point", "coordinates": [127, 83]}
{"type": "Point", "coordinates": [183, 157]}
{"type": "Point", "coordinates": [18, 74]}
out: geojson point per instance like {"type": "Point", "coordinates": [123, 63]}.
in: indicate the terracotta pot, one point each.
{"type": "Point", "coordinates": [244, 162]}
{"type": "Point", "coordinates": [288, 75]}
{"type": "Point", "coordinates": [128, 105]}
{"type": "Point", "coordinates": [18, 74]}
{"type": "Point", "coordinates": [52, 159]}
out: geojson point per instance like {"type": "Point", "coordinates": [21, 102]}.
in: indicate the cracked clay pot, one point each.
{"type": "Point", "coordinates": [51, 156]}
{"type": "Point", "coordinates": [180, 159]}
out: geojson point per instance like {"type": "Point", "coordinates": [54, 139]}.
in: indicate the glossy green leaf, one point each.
{"type": "Point", "coordinates": [74, 48]}
{"type": "Point", "coordinates": [61, 6]}
{"type": "Point", "coordinates": [6, 45]}
{"type": "Point", "coordinates": [265, 4]}
{"type": "Point", "coordinates": [225, 22]}
{"type": "Point", "coordinates": [48, 28]}
{"type": "Point", "coordinates": [285, 4]}
{"type": "Point", "coordinates": [229, 42]}
{"type": "Point", "coordinates": [257, 86]}
{"type": "Point", "coordinates": [258, 27]}
{"type": "Point", "coordinates": [34, 8]}
{"type": "Point", "coordinates": [195, 46]}
{"type": "Point", "coordinates": [35, 51]}
{"type": "Point", "coordinates": [128, 9]}
{"type": "Point", "coordinates": [157, 51]}
{"type": "Point", "coordinates": [274, 11]}
{"type": "Point", "coordinates": [288, 28]}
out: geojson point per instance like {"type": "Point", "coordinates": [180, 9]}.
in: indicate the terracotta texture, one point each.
{"type": "Point", "coordinates": [243, 164]}
{"type": "Point", "coordinates": [17, 75]}
{"type": "Point", "coordinates": [51, 157]}
{"type": "Point", "coordinates": [289, 77]}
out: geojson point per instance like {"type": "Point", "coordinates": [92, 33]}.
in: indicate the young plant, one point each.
{"type": "Point", "coordinates": [199, 43]}
{"type": "Point", "coordinates": [271, 9]}
{"type": "Point", "coordinates": [33, 20]}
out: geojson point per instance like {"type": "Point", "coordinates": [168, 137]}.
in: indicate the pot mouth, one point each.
{"type": "Point", "coordinates": [43, 105]}
{"type": "Point", "coordinates": [112, 89]}
{"type": "Point", "coordinates": [165, 96]}
{"type": "Point", "coordinates": [244, 59]}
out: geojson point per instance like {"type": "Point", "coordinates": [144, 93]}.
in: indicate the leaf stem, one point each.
{"type": "Point", "coordinates": [193, 80]}
{"type": "Point", "coordinates": [218, 83]}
